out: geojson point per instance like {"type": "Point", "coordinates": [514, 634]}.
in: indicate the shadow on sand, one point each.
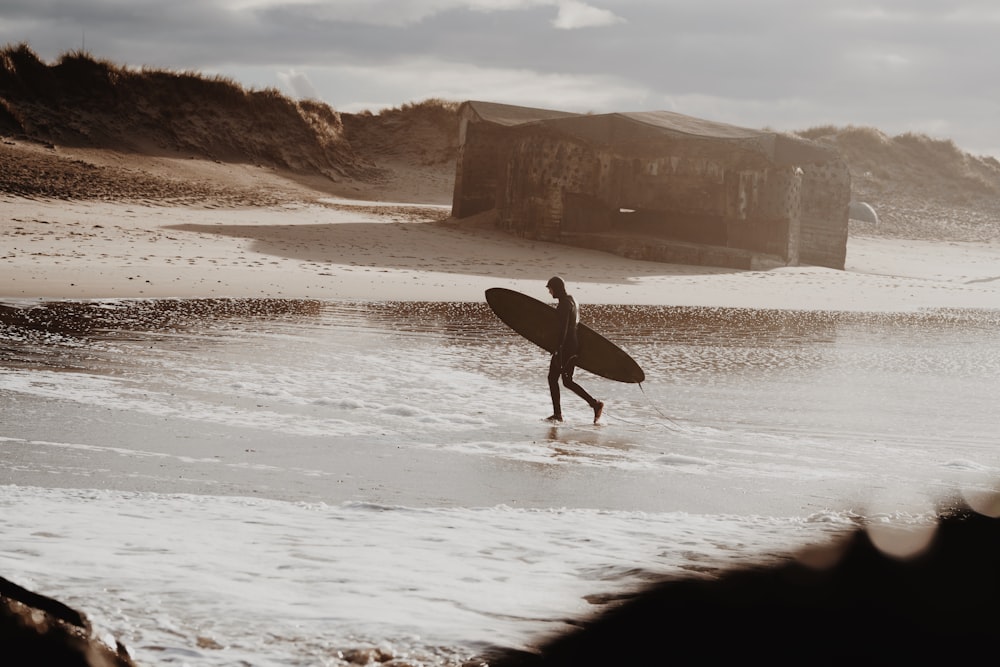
{"type": "Point", "coordinates": [443, 246]}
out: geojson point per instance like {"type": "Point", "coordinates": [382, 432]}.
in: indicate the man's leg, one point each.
{"type": "Point", "coordinates": [554, 369]}
{"type": "Point", "coordinates": [570, 383]}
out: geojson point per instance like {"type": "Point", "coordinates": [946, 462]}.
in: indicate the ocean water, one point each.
{"type": "Point", "coordinates": [267, 482]}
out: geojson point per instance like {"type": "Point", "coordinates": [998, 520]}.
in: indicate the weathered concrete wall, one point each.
{"type": "Point", "coordinates": [763, 208]}
{"type": "Point", "coordinates": [660, 198]}
{"type": "Point", "coordinates": [482, 157]}
{"type": "Point", "coordinates": [659, 191]}
{"type": "Point", "coordinates": [826, 194]}
{"type": "Point", "coordinates": [586, 214]}
{"type": "Point", "coordinates": [542, 169]}
{"type": "Point", "coordinates": [557, 189]}
{"type": "Point", "coordinates": [652, 249]}
{"type": "Point", "coordinates": [699, 192]}
{"type": "Point", "coordinates": [664, 177]}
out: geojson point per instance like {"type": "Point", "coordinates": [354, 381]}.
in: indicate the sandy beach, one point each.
{"type": "Point", "coordinates": [133, 221]}
{"type": "Point", "coordinates": [348, 477]}
{"type": "Point", "coordinates": [326, 248]}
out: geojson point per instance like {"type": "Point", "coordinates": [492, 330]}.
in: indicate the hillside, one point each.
{"type": "Point", "coordinates": [85, 128]}
{"type": "Point", "coordinates": [81, 102]}
{"type": "Point", "coordinates": [414, 147]}
{"type": "Point", "coordinates": [920, 187]}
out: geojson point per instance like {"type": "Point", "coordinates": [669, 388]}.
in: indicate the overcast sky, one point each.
{"type": "Point", "coordinates": [926, 66]}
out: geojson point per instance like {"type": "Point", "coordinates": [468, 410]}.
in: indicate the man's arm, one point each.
{"type": "Point", "coordinates": [565, 313]}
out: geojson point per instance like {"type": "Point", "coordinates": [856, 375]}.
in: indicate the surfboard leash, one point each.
{"type": "Point", "coordinates": [655, 407]}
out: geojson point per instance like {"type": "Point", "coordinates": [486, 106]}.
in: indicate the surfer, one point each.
{"type": "Point", "coordinates": [564, 358]}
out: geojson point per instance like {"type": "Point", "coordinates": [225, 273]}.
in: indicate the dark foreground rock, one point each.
{"type": "Point", "coordinates": [37, 630]}
{"type": "Point", "coordinates": [849, 604]}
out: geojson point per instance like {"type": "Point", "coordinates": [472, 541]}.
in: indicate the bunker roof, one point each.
{"type": "Point", "coordinates": [509, 114]}
{"type": "Point", "coordinates": [623, 128]}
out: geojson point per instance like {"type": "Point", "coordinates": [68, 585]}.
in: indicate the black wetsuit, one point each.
{"type": "Point", "coordinates": [564, 360]}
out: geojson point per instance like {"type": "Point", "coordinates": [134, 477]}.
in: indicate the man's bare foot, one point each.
{"type": "Point", "coordinates": [554, 418]}
{"type": "Point", "coordinates": [598, 411]}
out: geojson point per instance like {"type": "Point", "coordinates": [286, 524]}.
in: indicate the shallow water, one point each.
{"type": "Point", "coordinates": [274, 481]}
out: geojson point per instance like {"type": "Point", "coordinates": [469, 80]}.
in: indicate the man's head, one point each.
{"type": "Point", "coordinates": [557, 286]}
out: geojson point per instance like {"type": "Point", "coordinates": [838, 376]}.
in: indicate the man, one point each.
{"type": "Point", "coordinates": [564, 358]}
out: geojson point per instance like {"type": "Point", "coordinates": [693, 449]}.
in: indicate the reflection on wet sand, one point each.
{"type": "Point", "coordinates": [83, 318]}
{"type": "Point", "coordinates": [668, 342]}
{"type": "Point", "coordinates": [592, 443]}
{"type": "Point", "coordinates": [698, 325]}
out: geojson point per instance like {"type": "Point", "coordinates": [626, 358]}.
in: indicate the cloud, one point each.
{"type": "Point", "coordinates": [386, 13]}
{"type": "Point", "coordinates": [374, 88]}
{"type": "Point", "coordinates": [778, 63]}
{"type": "Point", "coordinates": [573, 15]}
{"type": "Point", "coordinates": [299, 84]}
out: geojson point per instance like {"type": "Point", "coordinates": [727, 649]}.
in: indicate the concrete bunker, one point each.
{"type": "Point", "coordinates": [654, 185]}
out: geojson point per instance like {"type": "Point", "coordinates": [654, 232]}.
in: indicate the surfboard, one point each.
{"type": "Point", "coordinates": [537, 321]}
